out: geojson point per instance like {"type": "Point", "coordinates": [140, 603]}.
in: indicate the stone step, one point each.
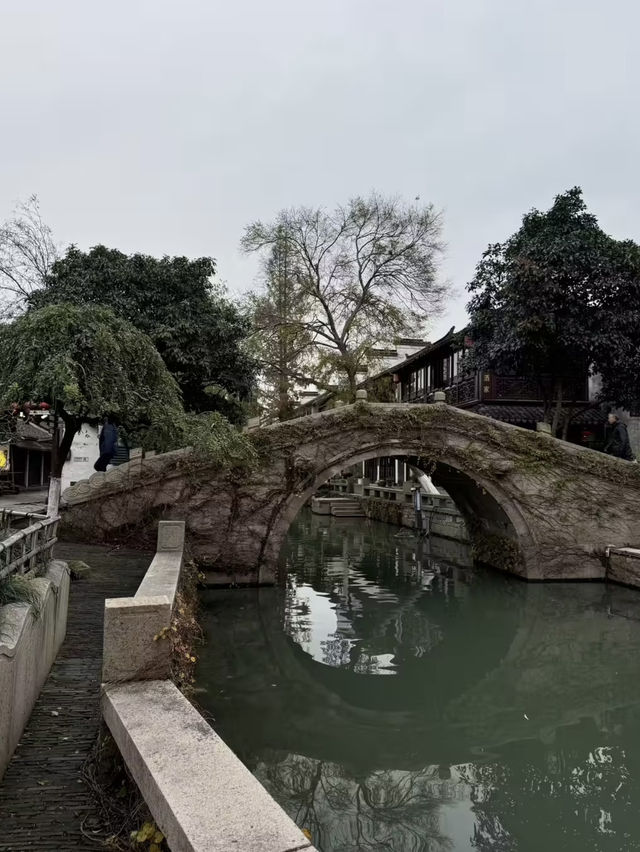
{"type": "Point", "coordinates": [351, 510]}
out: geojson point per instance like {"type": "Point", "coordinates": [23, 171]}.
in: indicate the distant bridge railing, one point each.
{"type": "Point", "coordinates": [23, 550]}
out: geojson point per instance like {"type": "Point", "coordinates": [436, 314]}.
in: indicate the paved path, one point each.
{"type": "Point", "coordinates": [43, 800]}
{"type": "Point", "coordinates": [34, 501]}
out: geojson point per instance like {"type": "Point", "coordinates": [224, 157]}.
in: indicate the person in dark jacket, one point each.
{"type": "Point", "coordinates": [107, 443]}
{"type": "Point", "coordinates": [617, 439]}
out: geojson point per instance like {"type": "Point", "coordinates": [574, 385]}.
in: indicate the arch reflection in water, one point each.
{"type": "Point", "coordinates": [391, 700]}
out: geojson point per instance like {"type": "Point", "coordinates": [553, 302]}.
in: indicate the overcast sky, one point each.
{"type": "Point", "coordinates": [165, 127]}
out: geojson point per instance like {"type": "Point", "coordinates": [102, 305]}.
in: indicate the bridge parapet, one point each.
{"type": "Point", "coordinates": [535, 506]}
{"type": "Point", "coordinates": [121, 477]}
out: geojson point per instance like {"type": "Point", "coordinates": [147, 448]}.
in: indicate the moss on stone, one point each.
{"type": "Point", "coordinates": [497, 551]}
{"type": "Point", "coordinates": [427, 426]}
{"type": "Point", "coordinates": [387, 511]}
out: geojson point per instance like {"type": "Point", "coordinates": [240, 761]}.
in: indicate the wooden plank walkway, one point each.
{"type": "Point", "coordinates": [43, 799]}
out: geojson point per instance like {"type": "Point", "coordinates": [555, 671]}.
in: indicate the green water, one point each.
{"type": "Point", "coordinates": [392, 701]}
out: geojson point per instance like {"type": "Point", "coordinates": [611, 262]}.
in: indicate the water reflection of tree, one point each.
{"type": "Point", "coordinates": [584, 801]}
{"type": "Point", "coordinates": [386, 811]}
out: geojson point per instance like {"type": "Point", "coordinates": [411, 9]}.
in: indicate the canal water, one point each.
{"type": "Point", "coordinates": [390, 699]}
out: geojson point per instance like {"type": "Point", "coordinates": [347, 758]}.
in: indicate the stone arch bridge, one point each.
{"type": "Point", "coordinates": [535, 506]}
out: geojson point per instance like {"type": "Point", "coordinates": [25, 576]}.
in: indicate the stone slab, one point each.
{"type": "Point", "coordinates": [135, 644]}
{"type": "Point", "coordinates": [170, 536]}
{"type": "Point", "coordinates": [623, 566]}
{"type": "Point", "coordinates": [201, 795]}
{"type": "Point", "coordinates": [162, 577]}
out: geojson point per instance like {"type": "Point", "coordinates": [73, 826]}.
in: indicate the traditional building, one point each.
{"type": "Point", "coordinates": [440, 366]}
{"type": "Point", "coordinates": [26, 442]}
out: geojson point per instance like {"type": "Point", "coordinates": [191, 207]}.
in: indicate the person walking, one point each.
{"type": "Point", "coordinates": [617, 439]}
{"type": "Point", "coordinates": [107, 442]}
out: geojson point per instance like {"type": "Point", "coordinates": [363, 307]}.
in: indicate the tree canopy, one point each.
{"type": "Point", "coordinates": [197, 331]}
{"type": "Point", "coordinates": [558, 298]}
{"type": "Point", "coordinates": [86, 362]}
{"type": "Point", "coordinates": [365, 272]}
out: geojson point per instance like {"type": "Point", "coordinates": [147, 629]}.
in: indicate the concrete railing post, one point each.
{"type": "Point", "coordinates": [170, 536]}
{"type": "Point", "coordinates": [135, 643]}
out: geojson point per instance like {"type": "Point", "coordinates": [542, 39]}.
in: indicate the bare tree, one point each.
{"type": "Point", "coordinates": [27, 253]}
{"type": "Point", "coordinates": [367, 271]}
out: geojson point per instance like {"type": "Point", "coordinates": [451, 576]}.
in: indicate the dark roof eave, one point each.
{"type": "Point", "coordinates": [430, 347]}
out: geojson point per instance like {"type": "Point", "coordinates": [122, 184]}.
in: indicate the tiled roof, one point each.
{"type": "Point", "coordinates": [31, 431]}
{"type": "Point", "coordinates": [410, 359]}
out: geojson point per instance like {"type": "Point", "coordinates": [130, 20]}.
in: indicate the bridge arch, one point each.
{"type": "Point", "coordinates": [487, 508]}
{"type": "Point", "coordinates": [537, 507]}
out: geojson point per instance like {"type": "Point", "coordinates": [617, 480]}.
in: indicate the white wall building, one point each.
{"type": "Point", "coordinates": [84, 454]}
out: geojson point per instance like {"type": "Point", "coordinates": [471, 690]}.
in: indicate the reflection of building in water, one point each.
{"type": "Point", "coordinates": [362, 612]}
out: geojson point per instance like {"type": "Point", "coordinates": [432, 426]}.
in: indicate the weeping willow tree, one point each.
{"type": "Point", "coordinates": [87, 363]}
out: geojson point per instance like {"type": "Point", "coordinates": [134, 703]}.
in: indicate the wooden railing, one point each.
{"type": "Point", "coordinates": [464, 390]}
{"type": "Point", "coordinates": [25, 549]}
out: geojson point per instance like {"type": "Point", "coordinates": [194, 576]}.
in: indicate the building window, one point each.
{"type": "Point", "coordinates": [387, 468]}
{"type": "Point", "coordinates": [416, 383]}
{"type": "Point", "coordinates": [370, 470]}
{"type": "Point", "coordinates": [438, 373]}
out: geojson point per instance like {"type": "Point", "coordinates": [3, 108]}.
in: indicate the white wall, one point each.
{"type": "Point", "coordinates": [84, 454]}
{"type": "Point", "coordinates": [595, 386]}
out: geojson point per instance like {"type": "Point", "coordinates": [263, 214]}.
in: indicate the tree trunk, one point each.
{"type": "Point", "coordinates": [567, 421]}
{"type": "Point", "coordinates": [59, 452]}
{"type": "Point", "coordinates": [284, 407]}
{"type": "Point", "coordinates": [351, 378]}
{"type": "Point", "coordinates": [558, 409]}
{"type": "Point", "coordinates": [53, 497]}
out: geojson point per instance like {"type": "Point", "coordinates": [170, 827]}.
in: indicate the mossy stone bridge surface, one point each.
{"type": "Point", "coordinates": [537, 507]}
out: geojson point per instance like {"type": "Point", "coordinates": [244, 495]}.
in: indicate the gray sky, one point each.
{"type": "Point", "coordinates": [164, 127]}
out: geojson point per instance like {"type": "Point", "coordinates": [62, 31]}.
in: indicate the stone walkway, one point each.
{"type": "Point", "coordinates": [34, 501]}
{"type": "Point", "coordinates": [43, 799]}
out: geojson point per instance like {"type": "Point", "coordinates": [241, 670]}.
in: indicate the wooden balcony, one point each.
{"type": "Point", "coordinates": [489, 387]}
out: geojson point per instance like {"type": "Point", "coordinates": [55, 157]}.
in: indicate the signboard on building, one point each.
{"type": "Point", "coordinates": [5, 463]}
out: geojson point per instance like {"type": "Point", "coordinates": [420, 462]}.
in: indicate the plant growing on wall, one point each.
{"type": "Point", "coordinates": [16, 589]}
